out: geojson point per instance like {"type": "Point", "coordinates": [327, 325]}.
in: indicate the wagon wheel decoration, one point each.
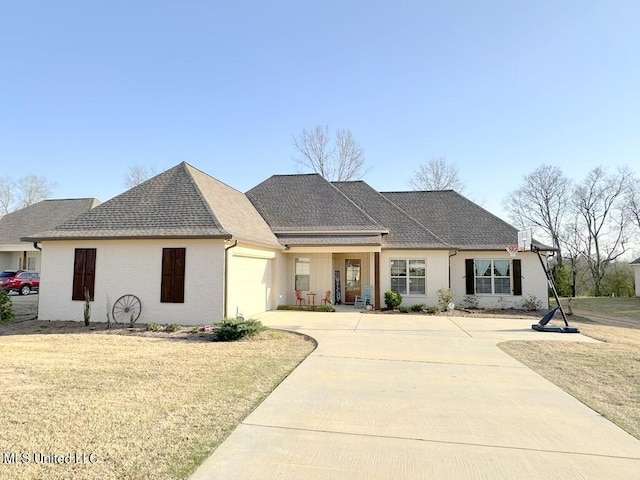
{"type": "Point", "coordinates": [126, 309]}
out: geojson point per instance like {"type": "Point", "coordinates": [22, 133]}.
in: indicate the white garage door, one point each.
{"type": "Point", "coordinates": [250, 288]}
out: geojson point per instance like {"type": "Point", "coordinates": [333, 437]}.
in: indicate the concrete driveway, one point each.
{"type": "Point", "coordinates": [419, 397]}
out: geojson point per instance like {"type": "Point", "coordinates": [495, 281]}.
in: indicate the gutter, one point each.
{"type": "Point", "coordinates": [35, 245]}
{"type": "Point", "coordinates": [226, 278]}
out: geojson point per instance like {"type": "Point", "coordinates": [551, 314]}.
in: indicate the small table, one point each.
{"type": "Point", "coordinates": [311, 298]}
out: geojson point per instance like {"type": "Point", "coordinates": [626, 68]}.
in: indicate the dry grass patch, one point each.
{"type": "Point", "coordinates": [146, 407]}
{"type": "Point", "coordinates": [604, 376]}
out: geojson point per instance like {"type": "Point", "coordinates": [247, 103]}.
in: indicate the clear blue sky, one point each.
{"type": "Point", "coordinates": [88, 88]}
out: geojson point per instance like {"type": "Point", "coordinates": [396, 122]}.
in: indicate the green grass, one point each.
{"type": "Point", "coordinates": [623, 308]}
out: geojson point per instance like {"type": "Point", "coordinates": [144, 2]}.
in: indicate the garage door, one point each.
{"type": "Point", "coordinates": [250, 286]}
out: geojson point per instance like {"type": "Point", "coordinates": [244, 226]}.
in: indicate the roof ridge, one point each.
{"type": "Point", "coordinates": [375, 222]}
{"type": "Point", "coordinates": [201, 194]}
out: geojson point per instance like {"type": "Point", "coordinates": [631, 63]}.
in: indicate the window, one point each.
{"type": "Point", "coordinates": [303, 274]}
{"type": "Point", "coordinates": [173, 268]}
{"type": "Point", "coordinates": [493, 276]}
{"type": "Point", "coordinates": [84, 273]}
{"type": "Point", "coordinates": [31, 262]}
{"type": "Point", "coordinates": [409, 276]}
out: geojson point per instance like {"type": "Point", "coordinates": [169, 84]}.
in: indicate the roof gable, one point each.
{"type": "Point", "coordinates": [308, 203]}
{"type": "Point", "coordinates": [456, 219]}
{"type": "Point", "coordinates": [404, 231]}
{"type": "Point", "coordinates": [43, 215]}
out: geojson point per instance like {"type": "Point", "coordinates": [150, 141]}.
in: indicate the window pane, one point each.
{"type": "Point", "coordinates": [417, 268]}
{"type": "Point", "coordinates": [501, 268]}
{"type": "Point", "coordinates": [503, 285]}
{"type": "Point", "coordinates": [302, 282]}
{"type": "Point", "coordinates": [483, 285]}
{"type": "Point", "coordinates": [417, 286]}
{"type": "Point", "coordinates": [398, 268]}
{"type": "Point", "coordinates": [303, 266]}
{"type": "Point", "coordinates": [483, 268]}
{"type": "Point", "coordinates": [399, 285]}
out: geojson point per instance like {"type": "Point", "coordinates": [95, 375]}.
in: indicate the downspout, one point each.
{"type": "Point", "coordinates": [35, 245]}
{"type": "Point", "coordinates": [452, 255]}
{"type": "Point", "coordinates": [226, 278]}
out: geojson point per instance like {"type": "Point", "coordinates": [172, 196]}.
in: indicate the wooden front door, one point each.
{"type": "Point", "coordinates": [352, 287]}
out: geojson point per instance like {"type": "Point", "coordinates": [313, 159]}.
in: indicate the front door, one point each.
{"type": "Point", "coordinates": [352, 280]}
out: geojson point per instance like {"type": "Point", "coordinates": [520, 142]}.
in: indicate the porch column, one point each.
{"type": "Point", "coordinates": [376, 279]}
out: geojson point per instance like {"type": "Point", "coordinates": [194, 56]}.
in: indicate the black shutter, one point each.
{"type": "Point", "coordinates": [517, 277]}
{"type": "Point", "coordinates": [173, 268]}
{"type": "Point", "coordinates": [470, 276]}
{"type": "Point", "coordinates": [84, 273]}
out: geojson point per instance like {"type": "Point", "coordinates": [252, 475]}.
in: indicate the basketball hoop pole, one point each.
{"type": "Point", "coordinates": [552, 284]}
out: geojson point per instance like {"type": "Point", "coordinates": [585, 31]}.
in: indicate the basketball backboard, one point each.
{"type": "Point", "coordinates": [525, 238]}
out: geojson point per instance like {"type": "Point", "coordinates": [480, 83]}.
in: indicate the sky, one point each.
{"type": "Point", "coordinates": [88, 89]}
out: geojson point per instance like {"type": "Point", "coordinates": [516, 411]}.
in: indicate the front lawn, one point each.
{"type": "Point", "coordinates": [137, 407]}
{"type": "Point", "coordinates": [604, 376]}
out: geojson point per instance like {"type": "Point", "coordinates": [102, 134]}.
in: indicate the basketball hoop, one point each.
{"type": "Point", "coordinates": [513, 250]}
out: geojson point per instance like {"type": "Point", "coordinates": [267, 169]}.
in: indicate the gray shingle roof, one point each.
{"type": "Point", "coordinates": [636, 262]}
{"type": "Point", "coordinates": [181, 202]}
{"type": "Point", "coordinates": [329, 240]}
{"type": "Point", "coordinates": [43, 215]}
{"type": "Point", "coordinates": [404, 231]}
{"type": "Point", "coordinates": [308, 203]}
{"type": "Point", "coordinates": [457, 220]}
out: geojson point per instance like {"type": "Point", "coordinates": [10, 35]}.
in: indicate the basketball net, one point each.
{"type": "Point", "coordinates": [513, 250]}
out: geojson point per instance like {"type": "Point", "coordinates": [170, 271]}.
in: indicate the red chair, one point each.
{"type": "Point", "coordinates": [327, 298]}
{"type": "Point", "coordinates": [299, 298]}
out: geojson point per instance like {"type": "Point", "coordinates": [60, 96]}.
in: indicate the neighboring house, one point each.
{"type": "Point", "coordinates": [195, 250]}
{"type": "Point", "coordinates": [188, 246]}
{"type": "Point", "coordinates": [16, 254]}
{"type": "Point", "coordinates": [416, 243]}
{"type": "Point", "coordinates": [636, 268]}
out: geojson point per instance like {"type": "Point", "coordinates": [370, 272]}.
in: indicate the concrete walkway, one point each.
{"type": "Point", "coordinates": [419, 397]}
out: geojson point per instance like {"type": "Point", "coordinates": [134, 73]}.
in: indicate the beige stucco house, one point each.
{"type": "Point", "coordinates": [16, 254]}
{"type": "Point", "coordinates": [195, 250]}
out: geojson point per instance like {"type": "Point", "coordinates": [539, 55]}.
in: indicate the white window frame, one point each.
{"type": "Point", "coordinates": [407, 275]}
{"type": "Point", "coordinates": [299, 276]}
{"type": "Point", "coordinates": [493, 276]}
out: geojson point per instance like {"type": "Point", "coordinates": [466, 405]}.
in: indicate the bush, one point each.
{"type": "Point", "coordinates": [232, 329]}
{"type": "Point", "coordinates": [404, 309]}
{"type": "Point", "coordinates": [445, 297]}
{"type": "Point", "coordinates": [308, 308]}
{"type": "Point", "coordinates": [153, 327]}
{"type": "Point", "coordinates": [470, 301]}
{"type": "Point", "coordinates": [6, 307]}
{"type": "Point", "coordinates": [174, 327]}
{"type": "Point", "coordinates": [392, 299]}
{"type": "Point", "coordinates": [418, 307]}
{"type": "Point", "coordinates": [531, 304]}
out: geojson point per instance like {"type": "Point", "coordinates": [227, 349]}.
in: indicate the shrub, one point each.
{"type": "Point", "coordinates": [445, 297]}
{"type": "Point", "coordinates": [232, 329]}
{"type": "Point", "coordinates": [418, 307]}
{"type": "Point", "coordinates": [153, 327]}
{"type": "Point", "coordinates": [308, 308]}
{"type": "Point", "coordinates": [531, 304]}
{"type": "Point", "coordinates": [174, 327]}
{"type": "Point", "coordinates": [403, 309]}
{"type": "Point", "coordinates": [470, 301]}
{"type": "Point", "coordinates": [431, 310]}
{"type": "Point", "coordinates": [392, 299]}
{"type": "Point", "coordinates": [6, 307]}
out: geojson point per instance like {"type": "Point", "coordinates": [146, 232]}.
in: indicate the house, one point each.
{"type": "Point", "coordinates": [195, 250]}
{"type": "Point", "coordinates": [636, 268]}
{"type": "Point", "coordinates": [342, 236]}
{"type": "Point", "coordinates": [16, 254]}
{"type": "Point", "coordinates": [185, 244]}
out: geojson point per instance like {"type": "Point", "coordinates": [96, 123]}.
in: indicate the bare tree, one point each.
{"type": "Point", "coordinates": [437, 174]}
{"type": "Point", "coordinates": [26, 191]}
{"type": "Point", "coordinates": [337, 159]}
{"type": "Point", "coordinates": [33, 189]}
{"type": "Point", "coordinates": [541, 201]}
{"type": "Point", "coordinates": [7, 194]}
{"type": "Point", "coordinates": [603, 217]}
{"type": "Point", "coordinates": [633, 200]}
{"type": "Point", "coordinates": [137, 174]}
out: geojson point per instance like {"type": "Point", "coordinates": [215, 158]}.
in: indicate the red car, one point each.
{"type": "Point", "coordinates": [21, 281]}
